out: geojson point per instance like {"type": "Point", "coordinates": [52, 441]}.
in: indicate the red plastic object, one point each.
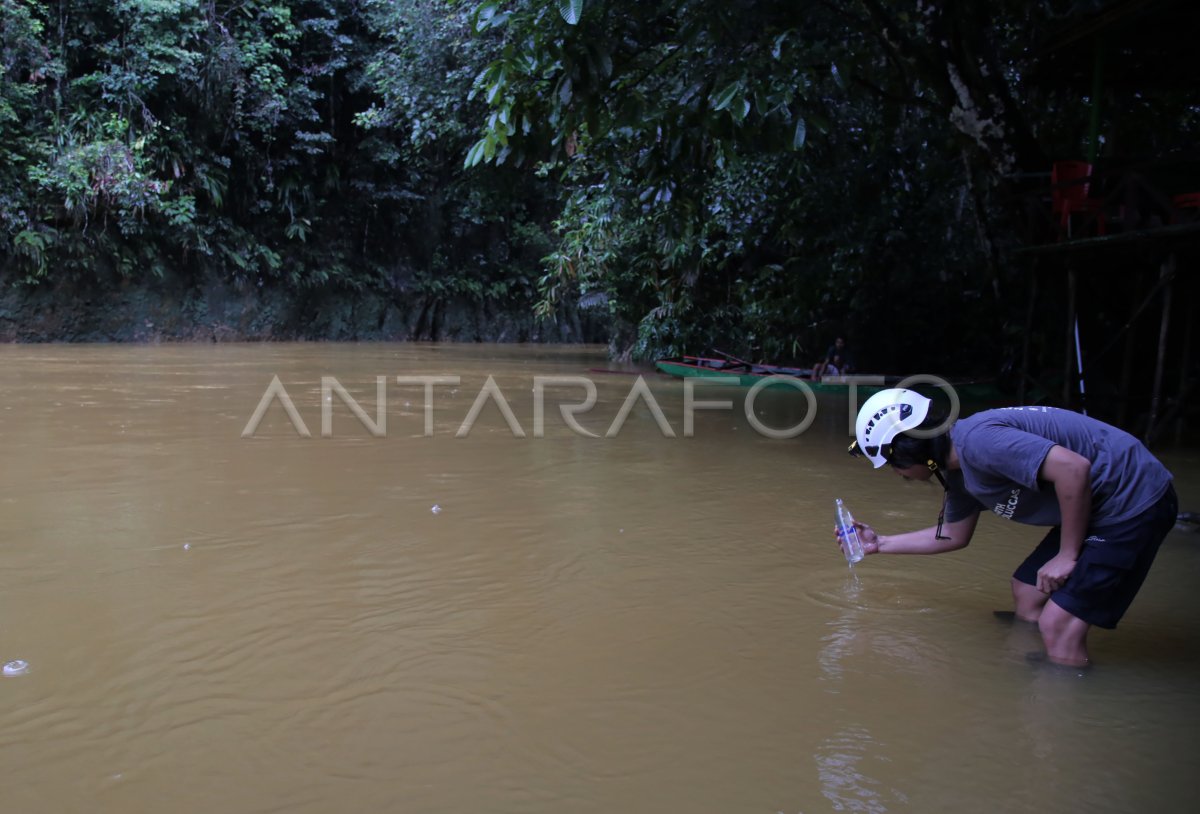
{"type": "Point", "coordinates": [1070, 181]}
{"type": "Point", "coordinates": [1188, 200]}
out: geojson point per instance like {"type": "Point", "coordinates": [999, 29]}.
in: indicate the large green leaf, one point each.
{"type": "Point", "coordinates": [725, 96]}
{"type": "Point", "coordinates": [571, 10]}
{"type": "Point", "coordinates": [800, 134]}
{"type": "Point", "coordinates": [475, 154]}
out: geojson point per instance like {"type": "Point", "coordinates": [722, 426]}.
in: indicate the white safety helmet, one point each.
{"type": "Point", "coordinates": [884, 416]}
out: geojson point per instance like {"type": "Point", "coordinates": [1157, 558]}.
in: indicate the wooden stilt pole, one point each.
{"type": "Point", "coordinates": [1028, 331]}
{"type": "Point", "coordinates": [1130, 352]}
{"type": "Point", "coordinates": [1184, 363]}
{"type": "Point", "coordinates": [1069, 354]}
{"type": "Point", "coordinates": [1167, 271]}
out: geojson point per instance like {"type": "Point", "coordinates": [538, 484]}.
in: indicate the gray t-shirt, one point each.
{"type": "Point", "coordinates": [1000, 452]}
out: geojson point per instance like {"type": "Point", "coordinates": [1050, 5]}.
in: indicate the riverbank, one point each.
{"type": "Point", "coordinates": [220, 311]}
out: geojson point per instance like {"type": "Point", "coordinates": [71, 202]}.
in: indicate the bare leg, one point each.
{"type": "Point", "coordinates": [1028, 601]}
{"type": "Point", "coordinates": [1065, 636]}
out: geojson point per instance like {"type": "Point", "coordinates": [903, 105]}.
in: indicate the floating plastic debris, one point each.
{"type": "Point", "coordinates": [16, 668]}
{"type": "Point", "coordinates": [436, 509]}
{"type": "Point", "coordinates": [187, 546]}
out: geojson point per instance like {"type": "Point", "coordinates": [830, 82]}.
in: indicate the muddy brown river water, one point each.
{"type": "Point", "coordinates": [407, 620]}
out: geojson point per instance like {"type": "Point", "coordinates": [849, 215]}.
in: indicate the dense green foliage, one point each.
{"type": "Point", "coordinates": [756, 175]}
{"type": "Point", "coordinates": [311, 145]}
{"type": "Point", "coordinates": [769, 174]}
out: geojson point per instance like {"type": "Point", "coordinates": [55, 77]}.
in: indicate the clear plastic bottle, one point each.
{"type": "Point", "coordinates": [851, 545]}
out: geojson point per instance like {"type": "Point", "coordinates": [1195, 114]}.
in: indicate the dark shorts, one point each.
{"type": "Point", "coordinates": [1112, 566]}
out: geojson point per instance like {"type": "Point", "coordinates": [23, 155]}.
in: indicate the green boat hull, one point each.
{"type": "Point", "coordinates": [966, 391]}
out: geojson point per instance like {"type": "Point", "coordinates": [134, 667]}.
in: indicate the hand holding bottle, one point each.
{"type": "Point", "coordinates": [847, 533]}
{"type": "Point", "coordinates": [868, 538]}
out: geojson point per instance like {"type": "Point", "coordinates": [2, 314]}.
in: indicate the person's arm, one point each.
{"type": "Point", "coordinates": [925, 541]}
{"type": "Point", "coordinates": [819, 367]}
{"type": "Point", "coordinates": [1071, 474]}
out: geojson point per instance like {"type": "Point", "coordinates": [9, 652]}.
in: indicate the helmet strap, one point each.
{"type": "Point", "coordinates": [937, 473]}
{"type": "Point", "coordinates": [936, 470]}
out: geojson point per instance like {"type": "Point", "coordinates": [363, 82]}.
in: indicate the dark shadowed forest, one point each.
{"type": "Point", "coordinates": [666, 177]}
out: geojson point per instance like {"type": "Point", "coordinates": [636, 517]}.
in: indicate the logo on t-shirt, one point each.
{"type": "Point", "coordinates": [1007, 508]}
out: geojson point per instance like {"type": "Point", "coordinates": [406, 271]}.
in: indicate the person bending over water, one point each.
{"type": "Point", "coordinates": [1108, 501]}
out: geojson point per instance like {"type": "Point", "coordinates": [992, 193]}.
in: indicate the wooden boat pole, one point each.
{"type": "Point", "coordinates": [731, 358]}
{"type": "Point", "coordinates": [1166, 272]}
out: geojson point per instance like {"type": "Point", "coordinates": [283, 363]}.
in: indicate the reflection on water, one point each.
{"type": "Point", "coordinates": [633, 623]}
{"type": "Point", "coordinates": [843, 777]}
{"type": "Point", "coordinates": [841, 772]}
